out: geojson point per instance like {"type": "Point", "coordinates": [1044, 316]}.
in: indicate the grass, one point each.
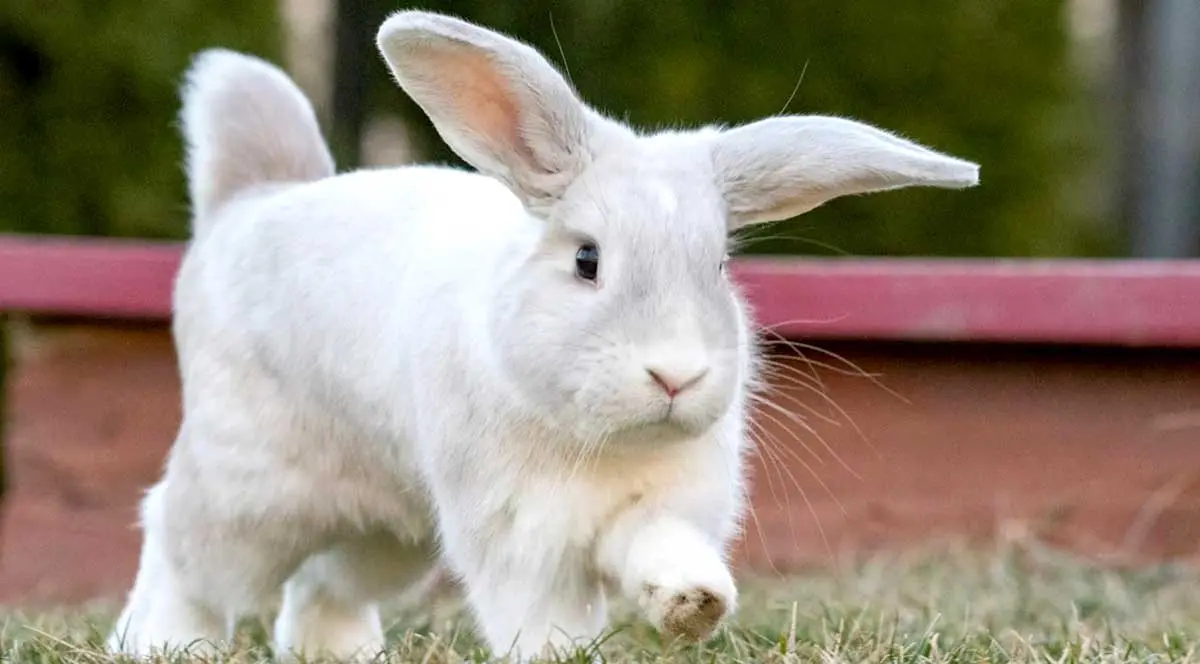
{"type": "Point", "coordinates": [1019, 604]}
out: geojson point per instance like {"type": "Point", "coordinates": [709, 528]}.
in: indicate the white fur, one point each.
{"type": "Point", "coordinates": [247, 123]}
{"type": "Point", "coordinates": [386, 369]}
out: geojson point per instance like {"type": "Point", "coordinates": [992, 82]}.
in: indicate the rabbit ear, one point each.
{"type": "Point", "coordinates": [496, 101]}
{"type": "Point", "coordinates": [780, 167]}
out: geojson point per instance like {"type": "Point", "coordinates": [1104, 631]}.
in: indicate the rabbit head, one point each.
{"type": "Point", "coordinates": [623, 318]}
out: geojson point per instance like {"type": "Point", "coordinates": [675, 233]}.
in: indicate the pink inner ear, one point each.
{"type": "Point", "coordinates": [470, 89]}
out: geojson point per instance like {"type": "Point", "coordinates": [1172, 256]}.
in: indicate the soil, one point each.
{"type": "Point", "coordinates": [1094, 451]}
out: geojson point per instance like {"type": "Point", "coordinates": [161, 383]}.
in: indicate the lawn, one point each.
{"type": "Point", "coordinates": [1019, 604]}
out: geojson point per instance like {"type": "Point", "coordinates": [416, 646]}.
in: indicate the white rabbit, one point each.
{"type": "Point", "coordinates": [537, 374]}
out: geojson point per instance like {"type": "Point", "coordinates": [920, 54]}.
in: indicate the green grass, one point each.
{"type": "Point", "coordinates": [1021, 604]}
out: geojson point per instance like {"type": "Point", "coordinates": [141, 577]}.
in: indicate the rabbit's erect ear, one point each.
{"type": "Point", "coordinates": [780, 167]}
{"type": "Point", "coordinates": [497, 102]}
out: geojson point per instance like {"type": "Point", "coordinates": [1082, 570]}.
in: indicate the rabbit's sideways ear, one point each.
{"type": "Point", "coordinates": [778, 168]}
{"type": "Point", "coordinates": [495, 101]}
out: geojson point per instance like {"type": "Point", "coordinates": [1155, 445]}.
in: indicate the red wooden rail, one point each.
{"type": "Point", "coordinates": [87, 277]}
{"type": "Point", "coordinates": [1134, 303]}
{"type": "Point", "coordinates": [1126, 302]}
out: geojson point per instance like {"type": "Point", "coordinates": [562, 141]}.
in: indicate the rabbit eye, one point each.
{"type": "Point", "coordinates": [587, 262]}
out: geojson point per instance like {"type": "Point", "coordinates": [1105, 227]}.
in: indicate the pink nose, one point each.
{"type": "Point", "coordinates": [673, 384]}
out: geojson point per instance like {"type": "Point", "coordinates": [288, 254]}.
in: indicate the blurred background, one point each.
{"type": "Point", "coordinates": [1082, 112]}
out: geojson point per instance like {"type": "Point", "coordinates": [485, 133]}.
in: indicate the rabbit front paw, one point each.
{"type": "Point", "coordinates": [690, 614]}
{"type": "Point", "coordinates": [687, 608]}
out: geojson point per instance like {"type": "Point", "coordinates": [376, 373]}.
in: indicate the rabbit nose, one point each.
{"type": "Point", "coordinates": [674, 382]}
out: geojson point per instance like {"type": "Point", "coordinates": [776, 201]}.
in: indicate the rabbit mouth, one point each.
{"type": "Point", "coordinates": [666, 416]}
{"type": "Point", "coordinates": [655, 433]}
{"type": "Point", "coordinates": [668, 424]}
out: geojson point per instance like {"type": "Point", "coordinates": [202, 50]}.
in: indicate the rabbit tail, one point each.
{"type": "Point", "coordinates": [245, 124]}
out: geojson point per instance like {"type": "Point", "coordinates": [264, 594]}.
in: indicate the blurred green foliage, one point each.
{"type": "Point", "coordinates": [89, 92]}
{"type": "Point", "coordinates": [984, 80]}
{"type": "Point", "coordinates": [989, 81]}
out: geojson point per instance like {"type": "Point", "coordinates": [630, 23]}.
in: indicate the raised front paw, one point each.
{"type": "Point", "coordinates": [690, 611]}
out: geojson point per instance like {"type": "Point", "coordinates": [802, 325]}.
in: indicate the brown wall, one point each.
{"type": "Point", "coordinates": [1097, 450]}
